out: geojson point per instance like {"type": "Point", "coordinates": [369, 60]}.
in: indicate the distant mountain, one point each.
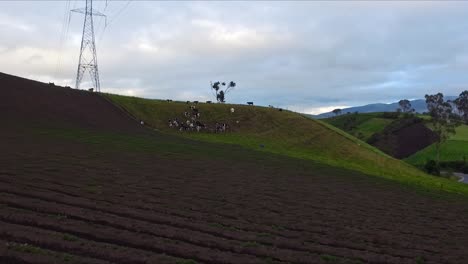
{"type": "Point", "coordinates": [419, 105]}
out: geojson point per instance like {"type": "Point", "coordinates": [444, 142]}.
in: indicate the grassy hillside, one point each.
{"type": "Point", "coordinates": [454, 149]}
{"type": "Point", "coordinates": [285, 133]}
{"type": "Point", "coordinates": [362, 125]}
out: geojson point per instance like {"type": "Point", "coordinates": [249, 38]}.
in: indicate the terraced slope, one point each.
{"type": "Point", "coordinates": [281, 132]}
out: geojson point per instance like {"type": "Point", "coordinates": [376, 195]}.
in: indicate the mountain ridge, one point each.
{"type": "Point", "coordinates": [419, 106]}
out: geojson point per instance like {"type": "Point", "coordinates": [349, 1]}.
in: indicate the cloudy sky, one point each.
{"type": "Point", "coordinates": [305, 56]}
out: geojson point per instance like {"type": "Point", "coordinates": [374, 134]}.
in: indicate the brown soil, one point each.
{"type": "Point", "coordinates": [23, 100]}
{"type": "Point", "coordinates": [82, 203]}
{"type": "Point", "coordinates": [404, 140]}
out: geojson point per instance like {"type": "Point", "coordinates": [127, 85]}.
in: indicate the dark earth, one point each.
{"type": "Point", "coordinates": [74, 197]}
{"type": "Point", "coordinates": [403, 138]}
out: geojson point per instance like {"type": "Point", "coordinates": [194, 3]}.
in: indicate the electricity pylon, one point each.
{"type": "Point", "coordinates": [88, 57]}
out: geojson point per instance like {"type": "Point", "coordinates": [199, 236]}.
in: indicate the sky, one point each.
{"type": "Point", "coordinates": [305, 56]}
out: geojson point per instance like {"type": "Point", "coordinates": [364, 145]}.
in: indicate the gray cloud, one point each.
{"type": "Point", "coordinates": [300, 55]}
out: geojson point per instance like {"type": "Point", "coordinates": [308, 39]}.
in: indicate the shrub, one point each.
{"type": "Point", "coordinates": [391, 115]}
{"type": "Point", "coordinates": [431, 167]}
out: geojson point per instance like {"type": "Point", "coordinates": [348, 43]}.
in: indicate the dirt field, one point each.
{"type": "Point", "coordinates": [404, 140]}
{"type": "Point", "coordinates": [63, 200]}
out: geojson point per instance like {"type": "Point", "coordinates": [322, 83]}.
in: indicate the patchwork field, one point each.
{"type": "Point", "coordinates": [454, 149]}
{"type": "Point", "coordinates": [82, 182]}
{"type": "Point", "coordinates": [285, 133]}
{"type": "Point", "coordinates": [362, 125]}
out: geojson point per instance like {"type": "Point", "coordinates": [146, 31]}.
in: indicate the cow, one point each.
{"type": "Point", "coordinates": [168, 100]}
{"type": "Point", "coordinates": [90, 89]}
{"type": "Point", "coordinates": [249, 103]}
{"type": "Point", "coordinates": [280, 109]}
{"type": "Point", "coordinates": [51, 84]}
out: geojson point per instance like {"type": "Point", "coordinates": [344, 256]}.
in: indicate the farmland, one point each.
{"type": "Point", "coordinates": [82, 182]}
{"type": "Point", "coordinates": [283, 133]}
{"type": "Point", "coordinates": [454, 149]}
{"type": "Point", "coordinates": [362, 125]}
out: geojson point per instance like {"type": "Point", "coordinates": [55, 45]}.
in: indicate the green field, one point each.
{"type": "Point", "coordinates": [454, 149]}
{"type": "Point", "coordinates": [363, 126]}
{"type": "Point", "coordinates": [285, 133]}
{"type": "Point", "coordinates": [372, 126]}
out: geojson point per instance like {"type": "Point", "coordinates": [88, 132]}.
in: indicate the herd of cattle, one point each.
{"type": "Point", "coordinates": [191, 122]}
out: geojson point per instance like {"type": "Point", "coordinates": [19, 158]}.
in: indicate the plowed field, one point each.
{"type": "Point", "coordinates": [70, 199]}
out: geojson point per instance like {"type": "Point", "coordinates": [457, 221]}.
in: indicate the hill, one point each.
{"type": "Point", "coordinates": [279, 132]}
{"type": "Point", "coordinates": [362, 126]}
{"type": "Point", "coordinates": [397, 135]}
{"type": "Point", "coordinates": [419, 105]}
{"type": "Point", "coordinates": [403, 137]}
{"type": "Point", "coordinates": [83, 182]}
{"type": "Point", "coordinates": [36, 103]}
{"type": "Point", "coordinates": [453, 150]}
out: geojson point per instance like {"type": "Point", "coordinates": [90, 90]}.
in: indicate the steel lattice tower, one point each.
{"type": "Point", "coordinates": [88, 57]}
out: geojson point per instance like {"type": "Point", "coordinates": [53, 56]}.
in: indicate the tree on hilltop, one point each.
{"type": "Point", "coordinates": [336, 111]}
{"type": "Point", "coordinates": [405, 106]}
{"type": "Point", "coordinates": [220, 94]}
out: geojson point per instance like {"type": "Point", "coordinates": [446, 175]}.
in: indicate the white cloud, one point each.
{"type": "Point", "coordinates": [8, 22]}
{"type": "Point", "coordinates": [318, 110]}
{"type": "Point", "coordinates": [308, 56]}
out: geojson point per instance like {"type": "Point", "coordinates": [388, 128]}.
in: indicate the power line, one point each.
{"type": "Point", "coordinates": [62, 32]}
{"type": "Point", "coordinates": [119, 12]}
{"type": "Point", "coordinates": [113, 18]}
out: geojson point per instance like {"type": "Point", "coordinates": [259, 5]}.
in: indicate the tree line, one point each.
{"type": "Point", "coordinates": [444, 118]}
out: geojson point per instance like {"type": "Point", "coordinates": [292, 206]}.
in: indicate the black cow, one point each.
{"type": "Point", "coordinates": [250, 103]}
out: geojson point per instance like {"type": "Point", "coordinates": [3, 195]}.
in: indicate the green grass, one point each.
{"type": "Point", "coordinates": [282, 133]}
{"type": "Point", "coordinates": [454, 149]}
{"type": "Point", "coordinates": [372, 126]}
{"type": "Point", "coordinates": [364, 124]}
{"type": "Point", "coordinates": [461, 133]}
{"type": "Point", "coordinates": [339, 121]}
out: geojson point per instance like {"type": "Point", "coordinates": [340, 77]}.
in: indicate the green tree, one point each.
{"type": "Point", "coordinates": [336, 111]}
{"type": "Point", "coordinates": [462, 105]}
{"type": "Point", "coordinates": [441, 119]}
{"type": "Point", "coordinates": [219, 93]}
{"type": "Point", "coordinates": [405, 106]}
